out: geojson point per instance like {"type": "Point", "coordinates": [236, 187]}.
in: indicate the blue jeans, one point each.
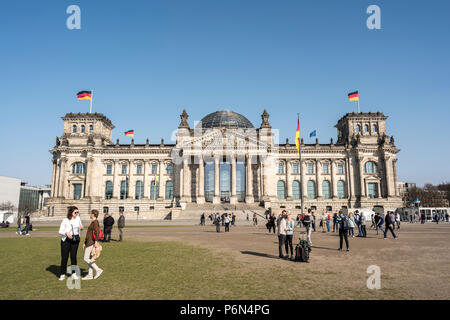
{"type": "Point", "coordinates": [328, 225]}
{"type": "Point", "coordinates": [351, 232]}
{"type": "Point", "coordinates": [19, 228]}
{"type": "Point", "coordinates": [359, 230]}
{"type": "Point", "coordinates": [380, 227]}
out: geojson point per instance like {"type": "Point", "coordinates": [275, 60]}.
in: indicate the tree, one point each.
{"type": "Point", "coordinates": [7, 206]}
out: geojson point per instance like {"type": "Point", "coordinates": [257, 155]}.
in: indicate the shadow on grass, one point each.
{"type": "Point", "coordinates": [259, 254]}
{"type": "Point", "coordinates": [57, 269]}
{"type": "Point", "coordinates": [323, 248]}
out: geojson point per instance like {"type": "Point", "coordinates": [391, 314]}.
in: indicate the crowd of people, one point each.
{"type": "Point", "coordinates": [24, 225]}
{"type": "Point", "coordinates": [70, 233]}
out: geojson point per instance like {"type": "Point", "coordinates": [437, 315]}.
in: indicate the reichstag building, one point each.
{"type": "Point", "coordinates": [222, 162]}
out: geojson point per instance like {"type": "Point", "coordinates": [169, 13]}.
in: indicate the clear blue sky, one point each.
{"type": "Point", "coordinates": [147, 60]}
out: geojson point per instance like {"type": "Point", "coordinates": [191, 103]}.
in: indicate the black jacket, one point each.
{"type": "Point", "coordinates": [108, 222]}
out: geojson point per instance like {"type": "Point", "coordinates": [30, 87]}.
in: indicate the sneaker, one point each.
{"type": "Point", "coordinates": [98, 274]}
{"type": "Point", "coordinates": [62, 277]}
{"type": "Point", "coordinates": [88, 277]}
{"type": "Point", "coordinates": [348, 249]}
{"type": "Point", "coordinates": [339, 249]}
{"type": "Point", "coordinates": [17, 232]}
{"type": "Point", "coordinates": [27, 234]}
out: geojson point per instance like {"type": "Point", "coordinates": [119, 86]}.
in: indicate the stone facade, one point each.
{"type": "Point", "coordinates": [222, 159]}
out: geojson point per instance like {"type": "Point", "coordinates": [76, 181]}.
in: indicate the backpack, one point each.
{"type": "Point", "coordinates": [302, 251]}
{"type": "Point", "coordinates": [345, 223]}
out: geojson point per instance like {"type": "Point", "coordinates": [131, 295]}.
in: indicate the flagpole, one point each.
{"type": "Point", "coordinates": [300, 164]}
{"type": "Point", "coordinates": [92, 96]}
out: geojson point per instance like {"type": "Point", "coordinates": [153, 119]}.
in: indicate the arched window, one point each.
{"type": "Point", "coordinates": [374, 128]}
{"type": "Point", "coordinates": [358, 128]}
{"type": "Point", "coordinates": [139, 190]}
{"type": "Point", "coordinates": [108, 190]}
{"type": "Point", "coordinates": [78, 168]}
{"type": "Point", "coordinates": [83, 128]}
{"type": "Point", "coordinates": [169, 169]}
{"type": "Point", "coordinates": [296, 189]}
{"type": "Point", "coordinates": [326, 189]}
{"type": "Point", "coordinates": [154, 190]}
{"type": "Point", "coordinates": [370, 167]}
{"type": "Point", "coordinates": [74, 128]}
{"type": "Point", "coordinates": [366, 128]}
{"type": "Point", "coordinates": [123, 190]}
{"type": "Point", "coordinates": [169, 190]}
{"type": "Point", "coordinates": [91, 128]}
{"type": "Point", "coordinates": [341, 189]}
{"type": "Point", "coordinates": [281, 190]}
{"type": "Point", "coordinates": [311, 189]}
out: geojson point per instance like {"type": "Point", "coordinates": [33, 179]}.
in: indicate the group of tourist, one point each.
{"type": "Point", "coordinates": [4, 224]}
{"type": "Point", "coordinates": [24, 224]}
{"type": "Point", "coordinates": [70, 233]}
{"type": "Point", "coordinates": [224, 220]}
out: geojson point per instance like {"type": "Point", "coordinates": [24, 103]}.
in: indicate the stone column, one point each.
{"type": "Point", "coordinates": [333, 180]}
{"type": "Point", "coordinates": [216, 198]}
{"type": "Point", "coordinates": [351, 179]}
{"type": "Point", "coordinates": [186, 177]}
{"type": "Point", "coordinates": [145, 180]}
{"type": "Point", "coordinates": [304, 181]}
{"type": "Point", "coordinates": [160, 181]}
{"type": "Point", "coordinates": [258, 191]}
{"type": "Point", "coordinates": [62, 176]}
{"type": "Point", "coordinates": [52, 193]}
{"type": "Point", "coordinates": [248, 179]}
{"type": "Point", "coordinates": [394, 169]}
{"type": "Point", "coordinates": [361, 176]}
{"type": "Point", "coordinates": [233, 198]}
{"type": "Point", "coordinates": [318, 180]}
{"type": "Point", "coordinates": [116, 180]}
{"type": "Point", "coordinates": [89, 180]}
{"type": "Point", "coordinates": [131, 179]}
{"type": "Point", "coordinates": [288, 181]}
{"type": "Point", "coordinates": [201, 180]}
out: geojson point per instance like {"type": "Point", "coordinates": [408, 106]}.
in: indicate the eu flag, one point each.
{"type": "Point", "coordinates": [312, 134]}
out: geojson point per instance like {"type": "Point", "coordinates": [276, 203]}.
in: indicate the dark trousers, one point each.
{"type": "Point", "coordinates": [389, 227]}
{"type": "Point", "coordinates": [363, 230]}
{"type": "Point", "coordinates": [271, 226]}
{"type": "Point", "coordinates": [107, 235]}
{"type": "Point", "coordinates": [288, 244]}
{"type": "Point", "coordinates": [281, 243]}
{"type": "Point", "coordinates": [342, 236]}
{"type": "Point", "coordinates": [27, 228]}
{"type": "Point", "coordinates": [227, 227]}
{"type": "Point", "coordinates": [218, 227]}
{"type": "Point", "coordinates": [68, 247]}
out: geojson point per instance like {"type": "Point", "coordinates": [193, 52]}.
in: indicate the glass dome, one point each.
{"type": "Point", "coordinates": [225, 118]}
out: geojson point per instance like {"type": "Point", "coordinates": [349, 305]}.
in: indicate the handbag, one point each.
{"type": "Point", "coordinates": [75, 237]}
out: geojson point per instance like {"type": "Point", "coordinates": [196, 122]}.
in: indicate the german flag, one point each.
{"type": "Point", "coordinates": [297, 137]}
{"type": "Point", "coordinates": [129, 133]}
{"type": "Point", "coordinates": [353, 96]}
{"type": "Point", "coordinates": [84, 95]}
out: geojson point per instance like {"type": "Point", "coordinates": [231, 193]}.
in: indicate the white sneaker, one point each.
{"type": "Point", "coordinates": [27, 234]}
{"type": "Point", "coordinates": [88, 277]}
{"type": "Point", "coordinates": [98, 274]}
{"type": "Point", "coordinates": [62, 277]}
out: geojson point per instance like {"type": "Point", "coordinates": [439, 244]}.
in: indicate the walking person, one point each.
{"type": "Point", "coordinates": [91, 241]}
{"type": "Point", "coordinates": [217, 222]}
{"type": "Point", "coordinates": [121, 225]}
{"type": "Point", "coordinates": [233, 219]}
{"type": "Point", "coordinates": [389, 221]}
{"type": "Point", "coordinates": [358, 223]}
{"type": "Point", "coordinates": [397, 220]}
{"type": "Point", "coordinates": [202, 219]}
{"type": "Point", "coordinates": [289, 235]}
{"type": "Point", "coordinates": [226, 222]}
{"type": "Point", "coordinates": [27, 223]}
{"type": "Point", "coordinates": [363, 226]}
{"type": "Point", "coordinates": [328, 222]}
{"type": "Point", "coordinates": [351, 222]}
{"type": "Point", "coordinates": [69, 230]}
{"type": "Point", "coordinates": [343, 226]}
{"type": "Point", "coordinates": [379, 220]}
{"type": "Point", "coordinates": [108, 223]}
{"type": "Point", "coordinates": [19, 225]}
{"type": "Point", "coordinates": [255, 220]}
{"type": "Point", "coordinates": [271, 223]}
{"type": "Point", "coordinates": [334, 221]}
{"type": "Point", "coordinates": [281, 224]}
{"type": "Point", "coordinates": [372, 218]}
{"type": "Point", "coordinates": [313, 221]}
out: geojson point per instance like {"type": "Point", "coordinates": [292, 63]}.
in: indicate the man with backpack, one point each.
{"type": "Point", "coordinates": [343, 226]}
{"type": "Point", "coordinates": [390, 221]}
{"type": "Point", "coordinates": [307, 221]}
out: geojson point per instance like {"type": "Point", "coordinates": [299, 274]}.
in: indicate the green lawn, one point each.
{"type": "Point", "coordinates": [29, 269]}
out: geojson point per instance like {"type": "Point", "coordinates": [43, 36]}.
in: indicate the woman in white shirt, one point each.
{"type": "Point", "coordinates": [69, 231]}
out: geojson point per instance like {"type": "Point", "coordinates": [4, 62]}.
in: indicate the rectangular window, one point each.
{"type": "Point", "coordinates": [154, 168]}
{"type": "Point", "coordinates": [121, 209]}
{"type": "Point", "coordinates": [372, 189]}
{"type": "Point", "coordinates": [139, 169]}
{"type": "Point", "coordinates": [280, 168]}
{"type": "Point", "coordinates": [325, 168]}
{"type": "Point", "coordinates": [169, 169]}
{"type": "Point", "coordinates": [109, 169]}
{"type": "Point", "coordinates": [77, 191]}
{"type": "Point", "coordinates": [136, 209]}
{"type": "Point", "coordinates": [124, 169]}
{"type": "Point", "coordinates": [340, 169]}
{"type": "Point", "coordinates": [295, 168]}
{"type": "Point", "coordinates": [310, 168]}
{"type": "Point", "coordinates": [105, 209]}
